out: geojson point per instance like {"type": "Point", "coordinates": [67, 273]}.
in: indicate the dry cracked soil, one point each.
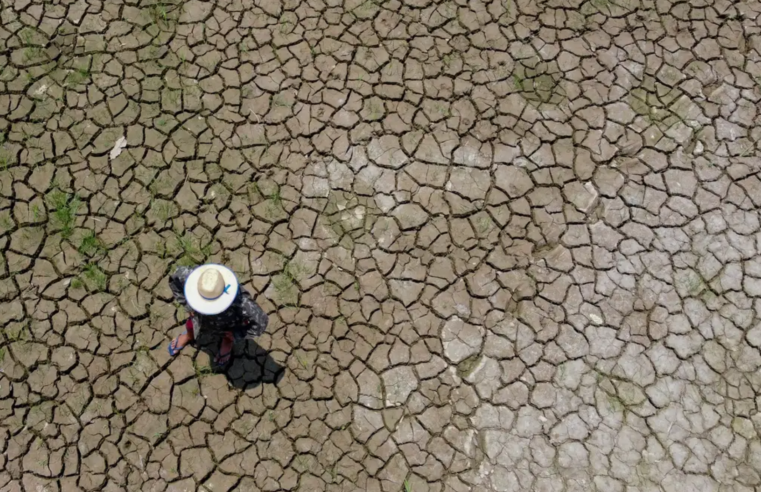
{"type": "Point", "coordinates": [506, 245]}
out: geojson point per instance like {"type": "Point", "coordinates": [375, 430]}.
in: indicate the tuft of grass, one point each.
{"type": "Point", "coordinates": [76, 284]}
{"type": "Point", "coordinates": [202, 371]}
{"type": "Point", "coordinates": [304, 363]}
{"type": "Point", "coordinates": [285, 283]}
{"type": "Point", "coordinates": [280, 101]}
{"type": "Point", "coordinates": [96, 276]}
{"type": "Point", "coordinates": [64, 208]}
{"type": "Point", "coordinates": [90, 245]}
{"type": "Point", "coordinates": [276, 198]}
{"type": "Point", "coordinates": [164, 210]}
{"type": "Point", "coordinates": [36, 212]}
{"type": "Point", "coordinates": [161, 16]}
{"type": "Point", "coordinates": [407, 486]}
{"type": "Point", "coordinates": [192, 252]}
{"type": "Point", "coordinates": [78, 76]}
{"type": "Point", "coordinates": [6, 223]}
{"type": "Point", "coordinates": [274, 201]}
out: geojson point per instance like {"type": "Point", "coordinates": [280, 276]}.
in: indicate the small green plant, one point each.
{"type": "Point", "coordinates": [77, 76]}
{"type": "Point", "coordinates": [274, 202]}
{"type": "Point", "coordinates": [518, 82]}
{"type": "Point", "coordinates": [302, 361]}
{"type": "Point", "coordinates": [164, 210]}
{"type": "Point", "coordinates": [192, 252]}
{"type": "Point", "coordinates": [407, 486]}
{"type": "Point", "coordinates": [601, 4]}
{"type": "Point", "coordinates": [280, 101]}
{"type": "Point", "coordinates": [747, 150]}
{"type": "Point", "coordinates": [76, 284]}
{"type": "Point", "coordinates": [276, 198]}
{"type": "Point", "coordinates": [64, 208]}
{"type": "Point", "coordinates": [304, 467]}
{"type": "Point", "coordinates": [375, 109]}
{"type": "Point", "coordinates": [90, 245]}
{"type": "Point", "coordinates": [285, 282]}
{"type": "Point", "coordinates": [33, 53]}
{"type": "Point", "coordinates": [96, 276]}
{"type": "Point", "coordinates": [483, 224]}
{"type": "Point", "coordinates": [36, 212]}
{"type": "Point", "coordinates": [5, 221]}
{"type": "Point", "coordinates": [173, 96]}
{"type": "Point", "coordinates": [5, 160]}
{"type": "Point", "coordinates": [161, 16]}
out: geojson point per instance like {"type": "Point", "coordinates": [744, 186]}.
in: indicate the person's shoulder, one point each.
{"type": "Point", "coordinates": [182, 272]}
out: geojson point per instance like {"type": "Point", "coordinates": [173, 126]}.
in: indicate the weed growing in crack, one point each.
{"type": "Point", "coordinates": [285, 283]}
{"type": "Point", "coordinates": [65, 207]}
{"type": "Point", "coordinates": [280, 101]}
{"type": "Point", "coordinates": [274, 202]}
{"type": "Point", "coordinates": [483, 224]}
{"type": "Point", "coordinates": [192, 252]}
{"type": "Point", "coordinates": [304, 363]}
{"type": "Point", "coordinates": [96, 276]}
{"type": "Point", "coordinates": [77, 76]}
{"type": "Point", "coordinates": [5, 157]}
{"type": "Point", "coordinates": [375, 110]}
{"type": "Point", "coordinates": [90, 245]}
{"type": "Point", "coordinates": [747, 150]}
{"type": "Point", "coordinates": [6, 223]}
{"type": "Point", "coordinates": [173, 96]}
{"type": "Point", "coordinates": [162, 16]}
{"type": "Point", "coordinates": [76, 284]}
{"type": "Point", "coordinates": [164, 211]}
{"type": "Point", "coordinates": [36, 212]}
{"type": "Point", "coordinates": [275, 198]}
{"type": "Point", "coordinates": [32, 53]}
{"type": "Point", "coordinates": [202, 371]}
{"type": "Point", "coordinates": [407, 486]}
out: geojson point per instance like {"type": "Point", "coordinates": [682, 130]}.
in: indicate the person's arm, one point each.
{"type": "Point", "coordinates": [177, 285]}
{"type": "Point", "coordinates": [255, 318]}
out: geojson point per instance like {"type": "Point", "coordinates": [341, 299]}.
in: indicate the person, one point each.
{"type": "Point", "coordinates": [217, 306]}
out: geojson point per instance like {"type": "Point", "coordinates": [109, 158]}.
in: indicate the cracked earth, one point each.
{"type": "Point", "coordinates": [506, 245]}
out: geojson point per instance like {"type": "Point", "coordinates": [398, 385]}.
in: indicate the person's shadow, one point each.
{"type": "Point", "coordinates": [251, 365]}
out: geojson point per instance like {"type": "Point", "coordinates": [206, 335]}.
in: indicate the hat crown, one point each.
{"type": "Point", "coordinates": [211, 284]}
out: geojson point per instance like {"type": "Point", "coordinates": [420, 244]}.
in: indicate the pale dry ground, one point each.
{"type": "Point", "coordinates": [504, 245]}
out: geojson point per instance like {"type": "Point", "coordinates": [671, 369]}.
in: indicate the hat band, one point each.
{"type": "Point", "coordinates": [224, 291]}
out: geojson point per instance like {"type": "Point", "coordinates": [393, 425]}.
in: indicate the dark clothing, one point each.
{"type": "Point", "coordinates": [244, 318]}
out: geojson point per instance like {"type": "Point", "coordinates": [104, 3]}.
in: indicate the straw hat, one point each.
{"type": "Point", "coordinates": [210, 289]}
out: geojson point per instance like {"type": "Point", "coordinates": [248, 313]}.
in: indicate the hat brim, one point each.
{"type": "Point", "coordinates": [200, 304]}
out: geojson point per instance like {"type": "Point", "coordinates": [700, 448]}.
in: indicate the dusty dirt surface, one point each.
{"type": "Point", "coordinates": [506, 245]}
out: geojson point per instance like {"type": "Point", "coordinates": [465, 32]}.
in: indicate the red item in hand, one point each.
{"type": "Point", "coordinates": [189, 327]}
